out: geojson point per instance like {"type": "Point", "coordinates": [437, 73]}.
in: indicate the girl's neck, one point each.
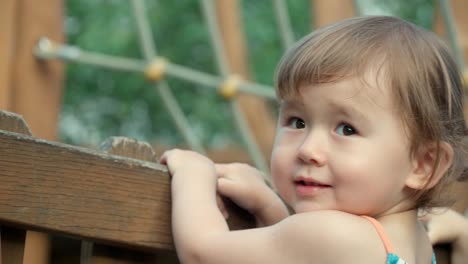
{"type": "Point", "coordinates": [408, 215]}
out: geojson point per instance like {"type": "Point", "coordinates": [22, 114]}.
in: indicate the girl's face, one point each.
{"type": "Point", "coordinates": [341, 146]}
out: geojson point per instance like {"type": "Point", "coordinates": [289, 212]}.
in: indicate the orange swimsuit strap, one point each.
{"type": "Point", "coordinates": [381, 232]}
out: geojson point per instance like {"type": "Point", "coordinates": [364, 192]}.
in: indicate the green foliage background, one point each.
{"type": "Point", "coordinates": [99, 103]}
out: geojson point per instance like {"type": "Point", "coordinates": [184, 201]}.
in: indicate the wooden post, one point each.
{"type": "Point", "coordinates": [329, 11]}
{"type": "Point", "coordinates": [12, 240]}
{"type": "Point", "coordinates": [28, 86]}
{"type": "Point", "coordinates": [8, 10]}
{"type": "Point", "coordinates": [65, 189]}
{"type": "Point", "coordinates": [459, 8]}
{"type": "Point", "coordinates": [259, 116]}
{"type": "Point", "coordinates": [37, 84]}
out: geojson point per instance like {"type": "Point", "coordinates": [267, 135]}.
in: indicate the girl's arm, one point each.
{"type": "Point", "coordinates": [194, 206]}
{"type": "Point", "coordinates": [201, 234]}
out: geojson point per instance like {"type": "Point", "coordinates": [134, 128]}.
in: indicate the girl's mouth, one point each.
{"type": "Point", "coordinates": [305, 187]}
{"type": "Point", "coordinates": [309, 183]}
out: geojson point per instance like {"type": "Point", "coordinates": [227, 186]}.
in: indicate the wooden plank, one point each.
{"type": "Point", "coordinates": [459, 8]}
{"type": "Point", "coordinates": [79, 192]}
{"type": "Point", "coordinates": [36, 84]}
{"type": "Point", "coordinates": [35, 245]}
{"type": "Point", "coordinates": [14, 123]}
{"type": "Point", "coordinates": [256, 110]}
{"type": "Point", "coordinates": [102, 254]}
{"type": "Point", "coordinates": [13, 241]}
{"type": "Point", "coordinates": [130, 148]}
{"type": "Point", "coordinates": [7, 49]}
{"type": "Point", "coordinates": [327, 12]}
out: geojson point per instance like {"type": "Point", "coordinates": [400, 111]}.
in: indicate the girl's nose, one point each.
{"type": "Point", "coordinates": [312, 150]}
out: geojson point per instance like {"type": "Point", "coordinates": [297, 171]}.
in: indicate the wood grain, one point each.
{"type": "Point", "coordinates": [13, 240]}
{"type": "Point", "coordinates": [37, 85]}
{"type": "Point", "coordinates": [14, 123]}
{"type": "Point", "coordinates": [79, 192]}
{"type": "Point", "coordinates": [256, 110]}
{"type": "Point", "coordinates": [327, 12]}
{"type": "Point", "coordinates": [102, 254]}
{"type": "Point", "coordinates": [8, 10]}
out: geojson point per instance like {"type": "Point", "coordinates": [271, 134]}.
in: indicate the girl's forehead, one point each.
{"type": "Point", "coordinates": [366, 91]}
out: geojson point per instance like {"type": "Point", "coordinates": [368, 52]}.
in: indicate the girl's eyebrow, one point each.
{"type": "Point", "coordinates": [293, 102]}
{"type": "Point", "coordinates": [348, 110]}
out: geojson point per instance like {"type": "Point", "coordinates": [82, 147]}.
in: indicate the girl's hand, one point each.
{"type": "Point", "coordinates": [186, 161]}
{"type": "Point", "coordinates": [189, 162]}
{"type": "Point", "coordinates": [246, 186]}
{"type": "Point", "coordinates": [449, 227]}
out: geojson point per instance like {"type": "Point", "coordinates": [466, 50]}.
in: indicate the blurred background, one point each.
{"type": "Point", "coordinates": [63, 97]}
{"type": "Point", "coordinates": [98, 102]}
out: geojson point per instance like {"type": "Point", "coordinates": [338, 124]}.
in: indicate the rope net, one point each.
{"type": "Point", "coordinates": [157, 68]}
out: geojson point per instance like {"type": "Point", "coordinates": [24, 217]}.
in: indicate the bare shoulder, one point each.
{"type": "Point", "coordinates": [335, 235]}
{"type": "Point", "coordinates": [314, 237]}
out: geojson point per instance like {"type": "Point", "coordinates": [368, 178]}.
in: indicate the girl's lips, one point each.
{"type": "Point", "coordinates": [309, 181]}
{"type": "Point", "coordinates": [309, 187]}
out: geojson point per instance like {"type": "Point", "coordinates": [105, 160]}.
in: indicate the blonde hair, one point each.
{"type": "Point", "coordinates": [425, 82]}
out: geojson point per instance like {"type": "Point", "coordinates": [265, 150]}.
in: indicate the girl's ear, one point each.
{"type": "Point", "coordinates": [424, 165]}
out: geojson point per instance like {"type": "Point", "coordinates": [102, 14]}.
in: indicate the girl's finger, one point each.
{"type": "Point", "coordinates": [227, 188]}
{"type": "Point", "coordinates": [221, 206]}
{"type": "Point", "coordinates": [163, 158]}
{"type": "Point", "coordinates": [221, 169]}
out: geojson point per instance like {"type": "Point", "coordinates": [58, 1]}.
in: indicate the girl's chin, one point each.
{"type": "Point", "coordinates": [304, 208]}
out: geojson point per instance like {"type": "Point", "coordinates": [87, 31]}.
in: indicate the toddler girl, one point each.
{"type": "Point", "coordinates": [370, 130]}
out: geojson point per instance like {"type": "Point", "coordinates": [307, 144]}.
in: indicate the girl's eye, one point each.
{"type": "Point", "coordinates": [296, 123]}
{"type": "Point", "coordinates": [344, 129]}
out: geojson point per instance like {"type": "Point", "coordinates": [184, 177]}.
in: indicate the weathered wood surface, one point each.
{"type": "Point", "coordinates": [29, 86]}
{"type": "Point", "coordinates": [8, 28]}
{"type": "Point", "coordinates": [14, 123]}
{"type": "Point", "coordinates": [256, 110]}
{"type": "Point", "coordinates": [87, 194]}
{"type": "Point", "coordinates": [325, 12]}
{"type": "Point", "coordinates": [36, 86]}
{"type": "Point", "coordinates": [13, 241]}
{"type": "Point", "coordinates": [129, 148]}
{"type": "Point", "coordinates": [104, 254]}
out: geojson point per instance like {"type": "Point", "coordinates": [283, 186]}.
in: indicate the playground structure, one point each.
{"type": "Point", "coordinates": [40, 93]}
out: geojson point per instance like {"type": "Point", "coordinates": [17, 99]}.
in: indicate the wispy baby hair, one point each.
{"type": "Point", "coordinates": [425, 82]}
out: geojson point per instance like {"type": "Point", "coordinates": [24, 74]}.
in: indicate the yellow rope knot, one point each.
{"type": "Point", "coordinates": [228, 89]}
{"type": "Point", "coordinates": [156, 69]}
{"type": "Point", "coordinates": [46, 48]}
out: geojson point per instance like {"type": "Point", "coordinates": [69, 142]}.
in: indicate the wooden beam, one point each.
{"type": "Point", "coordinates": [256, 110]}
{"type": "Point", "coordinates": [459, 8]}
{"type": "Point", "coordinates": [8, 10]}
{"type": "Point", "coordinates": [37, 85]}
{"type": "Point", "coordinates": [79, 192]}
{"type": "Point", "coordinates": [327, 12]}
{"type": "Point", "coordinates": [102, 254]}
